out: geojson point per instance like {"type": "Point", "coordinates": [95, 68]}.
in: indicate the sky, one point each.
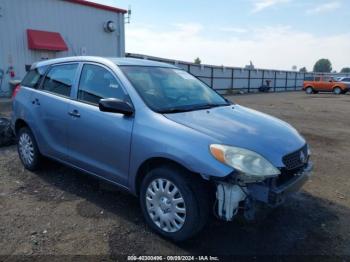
{"type": "Point", "coordinates": [274, 34]}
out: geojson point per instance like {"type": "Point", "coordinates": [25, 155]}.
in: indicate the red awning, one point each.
{"type": "Point", "coordinates": [43, 40]}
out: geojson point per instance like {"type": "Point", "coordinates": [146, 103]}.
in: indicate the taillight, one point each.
{"type": "Point", "coordinates": [16, 90]}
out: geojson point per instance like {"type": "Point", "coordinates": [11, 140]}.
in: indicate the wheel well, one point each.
{"type": "Point", "coordinates": [20, 123]}
{"type": "Point", "coordinates": [151, 164]}
{"type": "Point", "coordinates": [309, 87]}
{"type": "Point", "coordinates": [337, 87]}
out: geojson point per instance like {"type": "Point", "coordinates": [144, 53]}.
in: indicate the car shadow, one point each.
{"type": "Point", "coordinates": [305, 225]}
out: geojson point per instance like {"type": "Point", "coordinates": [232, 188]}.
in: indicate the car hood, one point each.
{"type": "Point", "coordinates": [243, 127]}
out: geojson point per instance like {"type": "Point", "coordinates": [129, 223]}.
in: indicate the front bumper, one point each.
{"type": "Point", "coordinates": [274, 195]}
{"type": "Point", "coordinates": [271, 193]}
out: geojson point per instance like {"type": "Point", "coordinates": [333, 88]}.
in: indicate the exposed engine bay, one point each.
{"type": "Point", "coordinates": [230, 196]}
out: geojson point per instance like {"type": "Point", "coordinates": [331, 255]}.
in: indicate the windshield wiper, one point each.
{"type": "Point", "coordinates": [174, 110]}
{"type": "Point", "coordinates": [208, 106]}
{"type": "Point", "coordinates": [190, 108]}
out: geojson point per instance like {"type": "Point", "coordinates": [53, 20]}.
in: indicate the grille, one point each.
{"type": "Point", "coordinates": [293, 160]}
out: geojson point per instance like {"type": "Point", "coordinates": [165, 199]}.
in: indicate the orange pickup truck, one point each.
{"type": "Point", "coordinates": [323, 83]}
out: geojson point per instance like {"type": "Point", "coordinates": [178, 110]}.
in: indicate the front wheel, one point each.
{"type": "Point", "coordinates": [173, 204]}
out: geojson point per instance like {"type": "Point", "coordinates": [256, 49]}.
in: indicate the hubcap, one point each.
{"type": "Point", "coordinates": [337, 91]}
{"type": "Point", "coordinates": [26, 149]}
{"type": "Point", "coordinates": [309, 90]}
{"type": "Point", "coordinates": [165, 205]}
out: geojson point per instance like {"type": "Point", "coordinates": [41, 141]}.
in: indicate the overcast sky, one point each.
{"type": "Point", "coordinates": [272, 33]}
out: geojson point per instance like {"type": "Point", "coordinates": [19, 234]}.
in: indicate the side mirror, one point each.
{"type": "Point", "coordinates": [114, 105]}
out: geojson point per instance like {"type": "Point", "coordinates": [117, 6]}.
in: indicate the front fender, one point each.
{"type": "Point", "coordinates": [167, 139]}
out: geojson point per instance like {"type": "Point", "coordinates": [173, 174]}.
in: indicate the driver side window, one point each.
{"type": "Point", "coordinates": [97, 83]}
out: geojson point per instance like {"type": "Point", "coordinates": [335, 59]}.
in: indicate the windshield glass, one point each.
{"type": "Point", "coordinates": [169, 90]}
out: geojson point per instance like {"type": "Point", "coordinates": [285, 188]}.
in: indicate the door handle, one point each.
{"type": "Point", "coordinates": [36, 102]}
{"type": "Point", "coordinates": [74, 113]}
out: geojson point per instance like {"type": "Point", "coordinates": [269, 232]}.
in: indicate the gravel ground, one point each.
{"type": "Point", "coordinates": [59, 211]}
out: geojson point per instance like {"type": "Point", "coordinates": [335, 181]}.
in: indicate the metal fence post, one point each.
{"type": "Point", "coordinates": [285, 88]}
{"type": "Point", "coordinates": [249, 72]}
{"type": "Point", "coordinates": [232, 76]}
{"type": "Point", "coordinates": [212, 78]}
{"type": "Point", "coordinates": [296, 76]}
{"type": "Point", "coordinates": [263, 77]}
{"type": "Point", "coordinates": [274, 81]}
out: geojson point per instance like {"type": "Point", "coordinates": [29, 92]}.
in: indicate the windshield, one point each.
{"type": "Point", "coordinates": [169, 90]}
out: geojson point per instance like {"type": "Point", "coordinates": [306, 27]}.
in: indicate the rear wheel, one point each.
{"type": "Point", "coordinates": [337, 90]}
{"type": "Point", "coordinates": [28, 150]}
{"type": "Point", "coordinates": [309, 90]}
{"type": "Point", "coordinates": [173, 204]}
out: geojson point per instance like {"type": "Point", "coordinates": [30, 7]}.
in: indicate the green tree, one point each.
{"type": "Point", "coordinates": [198, 61]}
{"type": "Point", "coordinates": [303, 70]}
{"type": "Point", "coordinates": [323, 66]}
{"type": "Point", "coordinates": [345, 70]}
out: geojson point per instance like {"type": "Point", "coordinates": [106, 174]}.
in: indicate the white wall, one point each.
{"type": "Point", "coordinates": [80, 26]}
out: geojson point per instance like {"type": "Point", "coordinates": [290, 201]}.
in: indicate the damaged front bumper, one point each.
{"type": "Point", "coordinates": [271, 193]}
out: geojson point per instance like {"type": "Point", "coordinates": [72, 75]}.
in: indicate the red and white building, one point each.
{"type": "Point", "coordinates": [33, 30]}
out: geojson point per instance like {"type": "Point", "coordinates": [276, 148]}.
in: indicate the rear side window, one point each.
{"type": "Point", "coordinates": [97, 83]}
{"type": "Point", "coordinates": [60, 78]}
{"type": "Point", "coordinates": [33, 77]}
{"type": "Point", "coordinates": [317, 78]}
{"type": "Point", "coordinates": [309, 78]}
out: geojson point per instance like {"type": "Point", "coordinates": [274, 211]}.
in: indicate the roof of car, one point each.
{"type": "Point", "coordinates": [96, 59]}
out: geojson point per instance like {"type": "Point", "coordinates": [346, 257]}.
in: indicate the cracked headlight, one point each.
{"type": "Point", "coordinates": [245, 161]}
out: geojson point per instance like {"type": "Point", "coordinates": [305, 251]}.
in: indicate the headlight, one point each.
{"type": "Point", "coordinates": [247, 162]}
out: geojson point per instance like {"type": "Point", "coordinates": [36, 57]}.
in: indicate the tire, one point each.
{"type": "Point", "coordinates": [158, 206]}
{"type": "Point", "coordinates": [309, 90]}
{"type": "Point", "coordinates": [6, 135]}
{"type": "Point", "coordinates": [28, 149]}
{"type": "Point", "coordinates": [337, 90]}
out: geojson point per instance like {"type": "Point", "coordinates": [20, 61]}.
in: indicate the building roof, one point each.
{"type": "Point", "coordinates": [98, 6]}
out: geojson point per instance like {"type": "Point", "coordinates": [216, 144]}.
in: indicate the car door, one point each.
{"type": "Point", "coordinates": [51, 103]}
{"type": "Point", "coordinates": [326, 84]}
{"type": "Point", "coordinates": [317, 83]}
{"type": "Point", "coordinates": [99, 142]}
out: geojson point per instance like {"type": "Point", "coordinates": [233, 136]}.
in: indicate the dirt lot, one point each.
{"type": "Point", "coordinates": [60, 211]}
